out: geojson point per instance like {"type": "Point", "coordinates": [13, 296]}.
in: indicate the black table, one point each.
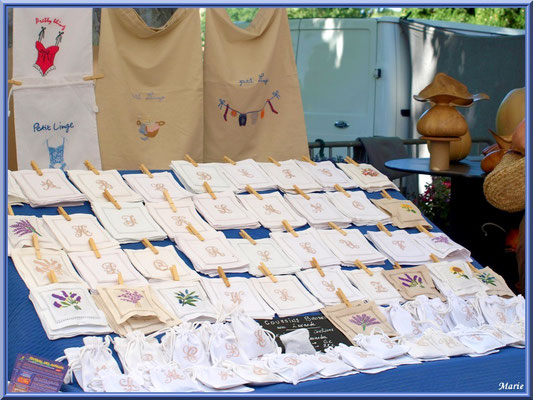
{"type": "Point", "coordinates": [474, 223]}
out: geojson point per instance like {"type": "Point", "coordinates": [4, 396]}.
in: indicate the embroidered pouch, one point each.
{"type": "Point", "coordinates": [413, 281]}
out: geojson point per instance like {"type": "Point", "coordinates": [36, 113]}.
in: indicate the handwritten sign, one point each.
{"type": "Point", "coordinates": [322, 333]}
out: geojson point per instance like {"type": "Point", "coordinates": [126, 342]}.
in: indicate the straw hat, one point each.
{"type": "Point", "coordinates": [445, 89]}
{"type": "Point", "coordinates": [505, 186]}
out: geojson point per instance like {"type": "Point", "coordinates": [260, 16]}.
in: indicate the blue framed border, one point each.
{"type": "Point", "coordinates": [5, 4]}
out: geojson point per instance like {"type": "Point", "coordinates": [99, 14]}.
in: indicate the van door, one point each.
{"type": "Point", "coordinates": [336, 60]}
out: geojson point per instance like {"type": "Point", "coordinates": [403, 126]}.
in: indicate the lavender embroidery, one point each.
{"type": "Point", "coordinates": [23, 227]}
{"type": "Point", "coordinates": [67, 300]}
{"type": "Point", "coordinates": [363, 320]}
{"type": "Point", "coordinates": [441, 239]}
{"type": "Point", "coordinates": [131, 296]}
{"type": "Point", "coordinates": [411, 281]}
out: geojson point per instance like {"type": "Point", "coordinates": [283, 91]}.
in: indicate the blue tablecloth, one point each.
{"type": "Point", "coordinates": [457, 375]}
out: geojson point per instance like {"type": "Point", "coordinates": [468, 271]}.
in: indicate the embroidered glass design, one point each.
{"type": "Point", "coordinates": [186, 298]}
{"type": "Point", "coordinates": [131, 296]}
{"type": "Point", "coordinates": [411, 281]}
{"type": "Point", "coordinates": [459, 272]}
{"type": "Point", "coordinates": [65, 300]}
{"type": "Point", "coordinates": [363, 320]}
{"type": "Point", "coordinates": [23, 227]}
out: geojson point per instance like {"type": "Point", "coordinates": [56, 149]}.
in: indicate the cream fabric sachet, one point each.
{"type": "Point", "coordinates": [247, 172]}
{"type": "Point", "coordinates": [375, 286]}
{"type": "Point", "coordinates": [358, 208]}
{"type": "Point", "coordinates": [50, 189]}
{"type": "Point", "coordinates": [74, 235]}
{"type": "Point", "coordinates": [494, 283]}
{"type": "Point", "coordinates": [367, 177]}
{"type": "Point", "coordinates": [327, 174]}
{"type": "Point", "coordinates": [288, 174]}
{"type": "Point", "coordinates": [193, 178]}
{"type": "Point", "coordinates": [158, 266]}
{"type": "Point", "coordinates": [411, 282]}
{"type": "Point", "coordinates": [129, 224]}
{"type": "Point", "coordinates": [93, 185]}
{"type": "Point", "coordinates": [20, 230]}
{"type": "Point", "coordinates": [151, 188]}
{"type": "Point", "coordinates": [287, 296]}
{"type": "Point", "coordinates": [318, 210]}
{"type": "Point", "coordinates": [403, 213]}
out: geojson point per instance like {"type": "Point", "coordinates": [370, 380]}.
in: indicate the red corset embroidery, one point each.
{"type": "Point", "coordinates": [45, 58]}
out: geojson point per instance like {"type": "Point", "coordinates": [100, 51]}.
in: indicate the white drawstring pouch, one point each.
{"type": "Point", "coordinates": [448, 344]}
{"type": "Point", "coordinates": [462, 312]}
{"type": "Point", "coordinates": [292, 368]}
{"type": "Point", "coordinates": [183, 345]}
{"type": "Point", "coordinates": [362, 360]}
{"type": "Point", "coordinates": [423, 349]}
{"type": "Point", "coordinates": [219, 378]}
{"type": "Point", "coordinates": [380, 344]}
{"type": "Point", "coordinates": [482, 342]}
{"type": "Point", "coordinates": [403, 322]}
{"type": "Point", "coordinates": [501, 335]}
{"type": "Point", "coordinates": [252, 337]}
{"type": "Point", "coordinates": [297, 342]}
{"type": "Point", "coordinates": [223, 345]}
{"type": "Point", "coordinates": [508, 315]}
{"type": "Point", "coordinates": [170, 378]}
{"type": "Point", "coordinates": [117, 382]}
{"type": "Point", "coordinates": [333, 365]}
{"type": "Point", "coordinates": [256, 373]}
{"type": "Point", "coordinates": [433, 310]}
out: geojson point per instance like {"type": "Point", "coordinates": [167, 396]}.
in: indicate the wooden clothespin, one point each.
{"type": "Point", "coordinates": [13, 82]}
{"type": "Point", "coordinates": [383, 229]}
{"type": "Point", "coordinates": [424, 230]}
{"type": "Point", "coordinates": [91, 167]}
{"type": "Point", "coordinates": [274, 161]}
{"type": "Point", "coordinates": [120, 279]}
{"type": "Point", "coordinates": [251, 190]}
{"type": "Point", "coordinates": [289, 228]}
{"type": "Point", "coordinates": [315, 264]}
{"type": "Point", "coordinates": [209, 190]}
{"type": "Point", "coordinates": [10, 210]}
{"type": "Point", "coordinates": [35, 241]}
{"type": "Point", "coordinates": [348, 159]}
{"type": "Point", "coordinates": [227, 159]}
{"type": "Point", "coordinates": [169, 200]}
{"type": "Point", "coordinates": [307, 159]}
{"type": "Point", "coordinates": [52, 277]}
{"type": "Point", "coordinates": [266, 272]}
{"type": "Point", "coordinates": [174, 272]}
{"type": "Point", "coordinates": [245, 235]}
{"type": "Point", "coordinates": [396, 265]}
{"type": "Point", "coordinates": [145, 171]}
{"type": "Point", "coordinates": [222, 274]}
{"type": "Point", "coordinates": [333, 225]}
{"type": "Point", "coordinates": [343, 297]}
{"type": "Point", "coordinates": [110, 198]}
{"type": "Point", "coordinates": [341, 189]}
{"type": "Point", "coordinates": [189, 158]}
{"type": "Point", "coordinates": [36, 168]}
{"type": "Point", "coordinates": [93, 77]}
{"type": "Point", "coordinates": [95, 250]}
{"type": "Point", "coordinates": [62, 211]}
{"type": "Point", "coordinates": [193, 231]}
{"type": "Point", "coordinates": [301, 192]}
{"type": "Point", "coordinates": [434, 258]}
{"type": "Point", "coordinates": [472, 267]}
{"type": "Point", "coordinates": [359, 264]}
{"type": "Point", "coordinates": [149, 245]}
{"type": "Point", "coordinates": [385, 194]}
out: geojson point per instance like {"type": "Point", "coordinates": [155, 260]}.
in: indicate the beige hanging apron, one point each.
{"type": "Point", "coordinates": [252, 103]}
{"type": "Point", "coordinates": [150, 99]}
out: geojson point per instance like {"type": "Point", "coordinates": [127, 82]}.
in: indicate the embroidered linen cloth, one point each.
{"type": "Point", "coordinates": [247, 172]}
{"type": "Point", "coordinates": [193, 178]}
{"type": "Point", "coordinates": [208, 254]}
{"type": "Point", "coordinates": [20, 229]}
{"type": "Point", "coordinates": [49, 190]}
{"type": "Point", "coordinates": [130, 308]}
{"type": "Point", "coordinates": [327, 174]}
{"type": "Point", "coordinates": [324, 288]}
{"type": "Point", "coordinates": [287, 296]}
{"type": "Point", "coordinates": [241, 295]}
{"type": "Point", "coordinates": [367, 177]}
{"type": "Point", "coordinates": [442, 246]}
{"type": "Point", "coordinates": [399, 247]}
{"type": "Point", "coordinates": [74, 235]}
{"type": "Point", "coordinates": [358, 208]}
{"type": "Point", "coordinates": [271, 210]}
{"type": "Point", "coordinates": [495, 284]}
{"type": "Point", "coordinates": [455, 276]}
{"type": "Point", "coordinates": [225, 212]}
{"type": "Point", "coordinates": [288, 174]}
{"type": "Point", "coordinates": [151, 189]}
{"type": "Point", "coordinates": [265, 251]}
{"type": "Point", "coordinates": [305, 247]}
{"type": "Point", "coordinates": [403, 213]}
{"type": "Point", "coordinates": [350, 247]}
{"type": "Point", "coordinates": [174, 223]}
{"type": "Point", "coordinates": [93, 185]}
{"type": "Point", "coordinates": [157, 266]}
{"type": "Point", "coordinates": [34, 272]}
{"type": "Point", "coordinates": [375, 287]}
{"type": "Point", "coordinates": [187, 299]}
{"type": "Point", "coordinates": [130, 224]}
{"type": "Point", "coordinates": [412, 282]}
{"type": "Point", "coordinates": [103, 271]}
{"type": "Point", "coordinates": [15, 195]}
{"type": "Point", "coordinates": [318, 210]}
{"type": "Point", "coordinates": [67, 310]}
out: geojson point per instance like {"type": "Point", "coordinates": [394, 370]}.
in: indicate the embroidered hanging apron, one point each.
{"type": "Point", "coordinates": [150, 99]}
{"type": "Point", "coordinates": [252, 102]}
